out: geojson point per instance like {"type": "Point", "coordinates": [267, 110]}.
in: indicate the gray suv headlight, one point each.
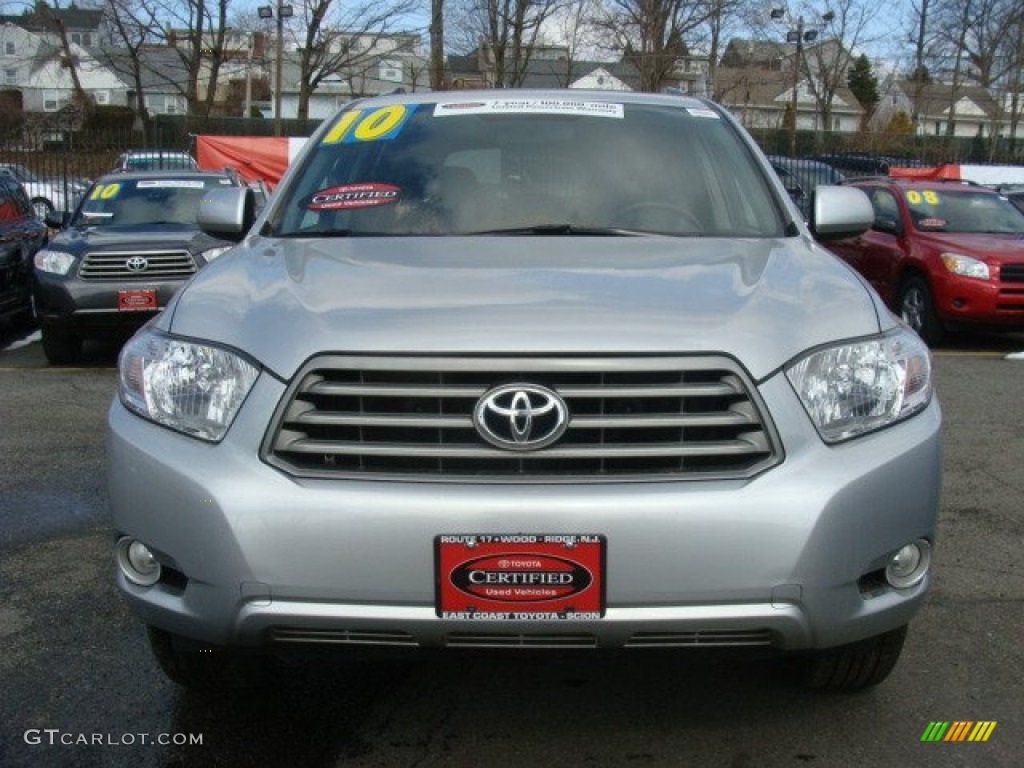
{"type": "Point", "coordinates": [192, 388]}
{"type": "Point", "coordinates": [861, 386]}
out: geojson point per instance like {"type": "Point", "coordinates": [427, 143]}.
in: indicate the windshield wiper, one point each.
{"type": "Point", "coordinates": [561, 229]}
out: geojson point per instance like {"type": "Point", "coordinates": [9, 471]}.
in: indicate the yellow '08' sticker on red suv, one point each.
{"type": "Point", "coordinates": [929, 196]}
{"type": "Point", "coordinates": [376, 125]}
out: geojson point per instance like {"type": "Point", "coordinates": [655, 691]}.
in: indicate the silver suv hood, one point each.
{"type": "Point", "coordinates": [763, 302]}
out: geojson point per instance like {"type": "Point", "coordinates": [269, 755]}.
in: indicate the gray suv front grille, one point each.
{"type": "Point", "coordinates": [630, 418]}
{"type": "Point", "coordinates": [160, 265]}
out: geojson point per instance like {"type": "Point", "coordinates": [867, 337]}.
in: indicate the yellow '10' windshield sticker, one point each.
{"type": "Point", "coordinates": [916, 198]}
{"type": "Point", "coordinates": [376, 125]}
{"type": "Point", "coordinates": [105, 191]}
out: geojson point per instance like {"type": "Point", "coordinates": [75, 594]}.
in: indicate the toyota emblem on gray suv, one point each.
{"type": "Point", "coordinates": [520, 417]}
{"type": "Point", "coordinates": [137, 264]}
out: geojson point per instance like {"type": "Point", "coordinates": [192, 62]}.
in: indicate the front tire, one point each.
{"type": "Point", "coordinates": [42, 207]}
{"type": "Point", "coordinates": [916, 306]}
{"type": "Point", "coordinates": [853, 667]}
{"type": "Point", "coordinates": [205, 668]}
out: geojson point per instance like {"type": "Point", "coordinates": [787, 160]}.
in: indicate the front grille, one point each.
{"type": "Point", "coordinates": [630, 418]}
{"type": "Point", "coordinates": [160, 265]}
{"type": "Point", "coordinates": [1011, 273]}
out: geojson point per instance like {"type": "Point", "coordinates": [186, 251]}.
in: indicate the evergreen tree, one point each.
{"type": "Point", "coordinates": [864, 84]}
{"type": "Point", "coordinates": [900, 124]}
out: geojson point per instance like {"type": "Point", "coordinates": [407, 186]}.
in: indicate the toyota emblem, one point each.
{"type": "Point", "coordinates": [520, 417]}
{"type": "Point", "coordinates": [137, 264]}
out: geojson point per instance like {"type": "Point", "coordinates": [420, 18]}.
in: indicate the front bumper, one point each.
{"type": "Point", "coordinates": [88, 307]}
{"type": "Point", "coordinates": [779, 560]}
{"type": "Point", "coordinates": [986, 303]}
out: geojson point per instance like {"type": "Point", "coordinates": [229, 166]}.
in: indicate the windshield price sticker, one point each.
{"type": "Point", "coordinates": [530, 107]}
{"type": "Point", "coordinates": [515, 577]}
{"type": "Point", "coordinates": [169, 184]}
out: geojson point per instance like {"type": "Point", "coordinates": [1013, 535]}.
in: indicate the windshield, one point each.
{"type": "Point", "coordinates": [139, 202]}
{"type": "Point", "coordinates": [503, 166]}
{"type": "Point", "coordinates": [157, 161]}
{"type": "Point", "coordinates": [963, 211]}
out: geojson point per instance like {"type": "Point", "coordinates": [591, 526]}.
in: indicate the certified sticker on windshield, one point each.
{"type": "Point", "coordinates": [529, 107]}
{"type": "Point", "coordinates": [515, 577]}
{"type": "Point", "coordinates": [363, 195]}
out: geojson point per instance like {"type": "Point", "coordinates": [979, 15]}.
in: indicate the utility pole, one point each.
{"type": "Point", "coordinates": [798, 34]}
{"type": "Point", "coordinates": [283, 12]}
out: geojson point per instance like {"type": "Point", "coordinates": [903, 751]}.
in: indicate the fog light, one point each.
{"type": "Point", "coordinates": [137, 562]}
{"type": "Point", "coordinates": [909, 565]}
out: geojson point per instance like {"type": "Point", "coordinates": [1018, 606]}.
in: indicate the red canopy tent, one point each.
{"type": "Point", "coordinates": [254, 157]}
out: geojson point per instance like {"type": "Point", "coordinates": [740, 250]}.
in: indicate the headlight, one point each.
{"type": "Point", "coordinates": [857, 387]}
{"type": "Point", "coordinates": [967, 266]}
{"type": "Point", "coordinates": [57, 262]}
{"type": "Point", "coordinates": [212, 253]}
{"type": "Point", "coordinates": [193, 388]}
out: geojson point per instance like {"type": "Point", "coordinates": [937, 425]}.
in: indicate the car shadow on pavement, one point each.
{"type": "Point", "coordinates": [443, 709]}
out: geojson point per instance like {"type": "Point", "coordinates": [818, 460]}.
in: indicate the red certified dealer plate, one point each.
{"type": "Point", "coordinates": [509, 577]}
{"type": "Point", "coordinates": [134, 299]}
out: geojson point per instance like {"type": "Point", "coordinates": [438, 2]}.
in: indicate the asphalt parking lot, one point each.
{"type": "Point", "coordinates": [79, 688]}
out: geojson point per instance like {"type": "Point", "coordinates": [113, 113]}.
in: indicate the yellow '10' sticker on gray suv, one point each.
{"type": "Point", "coordinates": [377, 125]}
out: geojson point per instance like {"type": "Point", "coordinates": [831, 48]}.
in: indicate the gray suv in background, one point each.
{"type": "Point", "coordinates": [516, 369]}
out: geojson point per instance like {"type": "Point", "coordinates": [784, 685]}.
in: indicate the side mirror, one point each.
{"type": "Point", "coordinates": [227, 213]}
{"type": "Point", "coordinates": [57, 219]}
{"type": "Point", "coordinates": [838, 212]}
{"type": "Point", "coordinates": [885, 224]}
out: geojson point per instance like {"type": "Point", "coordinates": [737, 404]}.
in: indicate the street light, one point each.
{"type": "Point", "coordinates": [799, 35]}
{"type": "Point", "coordinates": [283, 12]}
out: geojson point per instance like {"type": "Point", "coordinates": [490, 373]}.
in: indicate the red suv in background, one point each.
{"type": "Point", "coordinates": [942, 254]}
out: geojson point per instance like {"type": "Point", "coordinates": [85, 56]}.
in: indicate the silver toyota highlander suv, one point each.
{"type": "Point", "coordinates": [526, 369]}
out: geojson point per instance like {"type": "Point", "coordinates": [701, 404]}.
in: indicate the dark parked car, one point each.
{"type": "Point", "coordinates": [1015, 194]}
{"type": "Point", "coordinates": [855, 163]}
{"type": "Point", "coordinates": [801, 176]}
{"type": "Point", "coordinates": [942, 254]}
{"type": "Point", "coordinates": [121, 255]}
{"type": "Point", "coordinates": [21, 235]}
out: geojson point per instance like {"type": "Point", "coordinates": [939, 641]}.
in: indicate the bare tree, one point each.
{"type": "Point", "coordinates": [336, 41]}
{"type": "Point", "coordinates": [722, 16]}
{"type": "Point", "coordinates": [923, 37]}
{"type": "Point", "coordinates": [129, 28]}
{"type": "Point", "coordinates": [573, 26]}
{"type": "Point", "coordinates": [196, 30]}
{"type": "Point", "coordinates": [437, 44]}
{"type": "Point", "coordinates": [652, 34]}
{"type": "Point", "coordinates": [826, 66]}
{"type": "Point", "coordinates": [1014, 55]}
{"type": "Point", "coordinates": [508, 32]}
{"type": "Point", "coordinates": [954, 21]}
{"type": "Point", "coordinates": [66, 55]}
